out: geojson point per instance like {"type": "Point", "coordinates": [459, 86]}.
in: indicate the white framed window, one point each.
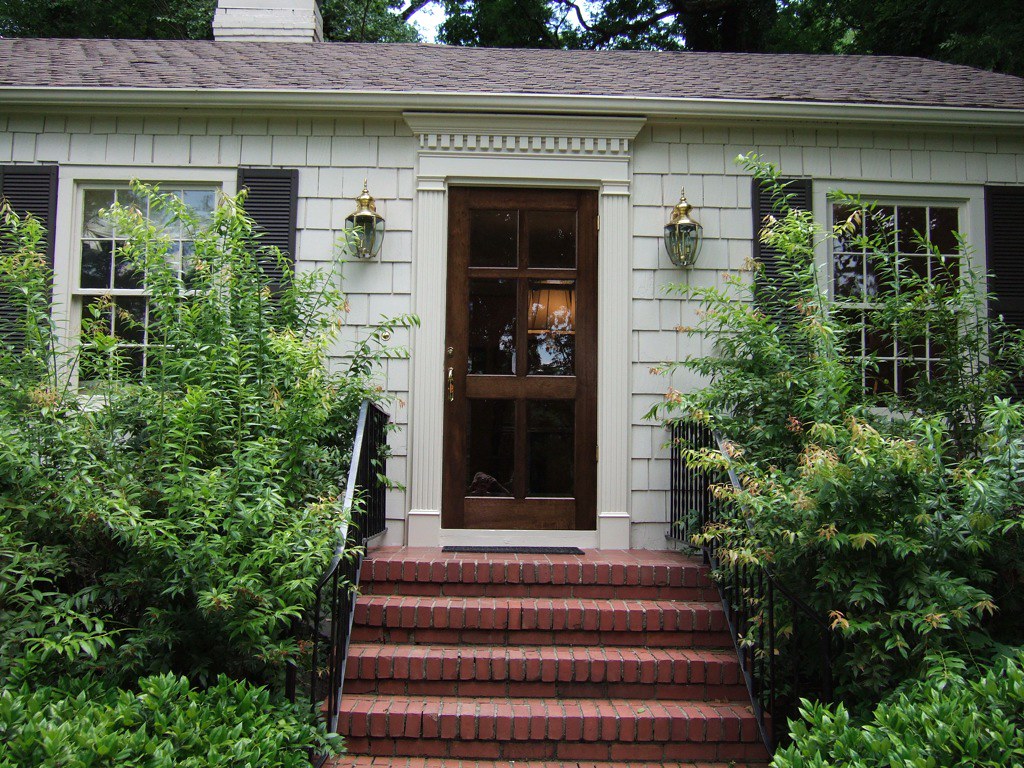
{"type": "Point", "coordinates": [87, 276]}
{"type": "Point", "coordinates": [922, 236]}
{"type": "Point", "coordinates": [108, 290]}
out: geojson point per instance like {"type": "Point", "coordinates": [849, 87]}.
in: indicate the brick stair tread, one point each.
{"type": "Point", "coordinates": [371, 761]}
{"type": "Point", "coordinates": [372, 661]}
{"type": "Point", "coordinates": [528, 613]}
{"type": "Point", "coordinates": [515, 719]}
{"type": "Point", "coordinates": [648, 569]}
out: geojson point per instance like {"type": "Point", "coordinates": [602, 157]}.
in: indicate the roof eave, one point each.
{"type": "Point", "coordinates": [652, 107]}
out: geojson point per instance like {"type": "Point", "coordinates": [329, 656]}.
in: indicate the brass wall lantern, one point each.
{"type": "Point", "coordinates": [682, 235]}
{"type": "Point", "coordinates": [366, 227]}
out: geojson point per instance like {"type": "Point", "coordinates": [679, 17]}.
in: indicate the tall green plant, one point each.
{"type": "Point", "coordinates": [891, 521]}
{"type": "Point", "coordinates": [176, 519]}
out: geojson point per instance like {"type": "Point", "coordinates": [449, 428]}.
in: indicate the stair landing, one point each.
{"type": "Point", "coordinates": [464, 660]}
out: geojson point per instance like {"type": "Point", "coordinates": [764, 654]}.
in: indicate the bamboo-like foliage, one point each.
{"type": "Point", "coordinates": [897, 517]}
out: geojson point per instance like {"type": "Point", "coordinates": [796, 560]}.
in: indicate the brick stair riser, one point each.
{"type": "Point", "coordinates": [586, 591]}
{"type": "Point", "coordinates": [666, 691]}
{"type": "Point", "coordinates": [538, 614]}
{"type": "Point", "coordinates": [544, 672]}
{"type": "Point", "coordinates": [538, 638]}
{"type": "Point", "coordinates": [369, 761]}
{"type": "Point", "coordinates": [511, 573]}
{"type": "Point", "coordinates": [558, 751]}
{"type": "Point", "coordinates": [542, 721]}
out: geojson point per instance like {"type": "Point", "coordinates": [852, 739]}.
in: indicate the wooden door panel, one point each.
{"type": "Point", "coordinates": [521, 338]}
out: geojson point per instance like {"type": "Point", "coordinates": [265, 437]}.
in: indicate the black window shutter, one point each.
{"type": "Point", "coordinates": [273, 204]}
{"type": "Point", "coordinates": [762, 205]}
{"type": "Point", "coordinates": [1004, 217]}
{"type": "Point", "coordinates": [29, 189]}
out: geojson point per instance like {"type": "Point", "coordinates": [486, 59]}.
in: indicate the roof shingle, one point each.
{"type": "Point", "coordinates": [418, 68]}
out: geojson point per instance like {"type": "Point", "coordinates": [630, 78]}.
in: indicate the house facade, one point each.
{"type": "Point", "coordinates": [525, 195]}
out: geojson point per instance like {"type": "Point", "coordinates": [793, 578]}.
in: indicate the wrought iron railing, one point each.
{"type": "Point", "coordinates": [328, 624]}
{"type": "Point", "coordinates": [784, 645]}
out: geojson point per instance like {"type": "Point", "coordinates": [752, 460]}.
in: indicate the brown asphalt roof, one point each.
{"type": "Point", "coordinates": [397, 68]}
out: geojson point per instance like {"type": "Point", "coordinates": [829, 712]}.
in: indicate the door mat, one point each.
{"type": "Point", "coordinates": [516, 550]}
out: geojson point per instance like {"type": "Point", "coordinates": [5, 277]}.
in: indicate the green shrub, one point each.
{"type": "Point", "coordinates": [942, 722]}
{"type": "Point", "coordinates": [175, 519]}
{"type": "Point", "coordinates": [165, 723]}
{"type": "Point", "coordinates": [892, 518]}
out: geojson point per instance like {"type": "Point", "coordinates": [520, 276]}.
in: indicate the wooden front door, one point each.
{"type": "Point", "coordinates": [521, 360]}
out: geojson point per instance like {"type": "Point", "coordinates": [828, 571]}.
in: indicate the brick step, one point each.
{"type": "Point", "coordinates": [541, 729]}
{"type": "Point", "coordinates": [546, 672]}
{"type": "Point", "coordinates": [403, 619]}
{"type": "Point", "coordinates": [369, 761]}
{"type": "Point", "coordinates": [654, 576]}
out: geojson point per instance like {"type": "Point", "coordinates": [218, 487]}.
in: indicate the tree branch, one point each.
{"type": "Point", "coordinates": [574, 7]}
{"type": "Point", "coordinates": [414, 7]}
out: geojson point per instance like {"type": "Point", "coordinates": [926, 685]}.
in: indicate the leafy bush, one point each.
{"type": "Point", "coordinates": [171, 519]}
{"type": "Point", "coordinates": [891, 517]}
{"type": "Point", "coordinates": [942, 722]}
{"type": "Point", "coordinates": [166, 723]}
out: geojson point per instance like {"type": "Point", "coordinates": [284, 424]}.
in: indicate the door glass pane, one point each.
{"type": "Point", "coordinates": [551, 444]}
{"type": "Point", "coordinates": [492, 326]}
{"type": "Point", "coordinates": [493, 238]}
{"type": "Point", "coordinates": [490, 455]}
{"type": "Point", "coordinates": [552, 237]}
{"type": "Point", "coordinates": [551, 346]}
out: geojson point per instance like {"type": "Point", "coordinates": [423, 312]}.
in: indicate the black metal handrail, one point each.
{"type": "Point", "coordinates": [772, 637]}
{"type": "Point", "coordinates": [328, 624]}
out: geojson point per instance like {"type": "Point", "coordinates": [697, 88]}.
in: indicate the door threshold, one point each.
{"type": "Point", "coordinates": [512, 538]}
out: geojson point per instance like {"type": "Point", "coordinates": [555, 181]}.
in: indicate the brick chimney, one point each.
{"type": "Point", "coordinates": [280, 21]}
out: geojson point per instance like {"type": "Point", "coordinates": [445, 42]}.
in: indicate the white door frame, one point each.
{"type": "Point", "coordinates": [508, 151]}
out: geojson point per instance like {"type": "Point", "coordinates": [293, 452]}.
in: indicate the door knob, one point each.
{"type": "Point", "coordinates": [451, 384]}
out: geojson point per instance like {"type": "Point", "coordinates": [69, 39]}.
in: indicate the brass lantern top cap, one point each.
{"type": "Point", "coordinates": [681, 212]}
{"type": "Point", "coordinates": [365, 204]}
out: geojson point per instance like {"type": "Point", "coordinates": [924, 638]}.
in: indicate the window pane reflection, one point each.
{"type": "Point", "coordinates": [492, 326]}
{"type": "Point", "coordinates": [490, 458]}
{"type": "Point", "coordinates": [493, 238]}
{"type": "Point", "coordinates": [551, 346]}
{"type": "Point", "coordinates": [552, 237]}
{"type": "Point", "coordinates": [551, 429]}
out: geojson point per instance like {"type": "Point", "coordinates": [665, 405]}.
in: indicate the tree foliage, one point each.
{"type": "Point", "coordinates": [374, 21]}
{"type": "Point", "coordinates": [988, 35]}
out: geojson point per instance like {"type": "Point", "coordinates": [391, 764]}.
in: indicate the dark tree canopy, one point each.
{"type": "Point", "coordinates": [346, 20]}
{"type": "Point", "coordinates": [988, 34]}
{"type": "Point", "coordinates": [107, 18]}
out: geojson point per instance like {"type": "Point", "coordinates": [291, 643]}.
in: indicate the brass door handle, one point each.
{"type": "Point", "coordinates": [451, 384]}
